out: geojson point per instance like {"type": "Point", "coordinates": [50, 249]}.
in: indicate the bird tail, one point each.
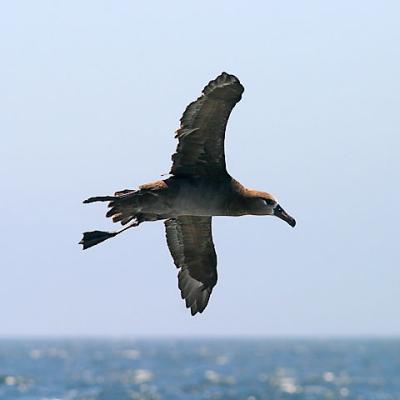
{"type": "Point", "coordinates": [123, 205]}
{"type": "Point", "coordinates": [123, 208]}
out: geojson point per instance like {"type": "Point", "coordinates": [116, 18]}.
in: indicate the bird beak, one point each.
{"type": "Point", "coordinates": [282, 214]}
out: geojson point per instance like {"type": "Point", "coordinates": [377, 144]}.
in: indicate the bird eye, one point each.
{"type": "Point", "coordinates": [269, 202]}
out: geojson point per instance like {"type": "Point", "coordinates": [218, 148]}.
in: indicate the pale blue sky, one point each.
{"type": "Point", "coordinates": [90, 95]}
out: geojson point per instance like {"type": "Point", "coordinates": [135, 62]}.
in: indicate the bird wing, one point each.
{"type": "Point", "coordinates": [201, 135]}
{"type": "Point", "coordinates": [190, 242]}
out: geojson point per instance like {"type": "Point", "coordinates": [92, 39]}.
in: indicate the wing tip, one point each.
{"type": "Point", "coordinates": [222, 81]}
{"type": "Point", "coordinates": [195, 294]}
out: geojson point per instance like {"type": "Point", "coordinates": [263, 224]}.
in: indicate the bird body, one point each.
{"type": "Point", "coordinates": [196, 196]}
{"type": "Point", "coordinates": [199, 188]}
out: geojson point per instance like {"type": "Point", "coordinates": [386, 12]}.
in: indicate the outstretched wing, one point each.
{"type": "Point", "coordinates": [190, 243]}
{"type": "Point", "coordinates": [201, 135]}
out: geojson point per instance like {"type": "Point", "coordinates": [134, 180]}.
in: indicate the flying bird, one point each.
{"type": "Point", "coordinates": [199, 188]}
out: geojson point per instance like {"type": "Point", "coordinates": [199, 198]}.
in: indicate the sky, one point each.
{"type": "Point", "coordinates": [90, 96]}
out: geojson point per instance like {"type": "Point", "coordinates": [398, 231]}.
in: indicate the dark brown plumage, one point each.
{"type": "Point", "coordinates": [201, 135]}
{"type": "Point", "coordinates": [199, 188]}
{"type": "Point", "coordinates": [190, 243]}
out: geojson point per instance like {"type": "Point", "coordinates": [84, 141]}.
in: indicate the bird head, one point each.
{"type": "Point", "coordinates": [263, 203]}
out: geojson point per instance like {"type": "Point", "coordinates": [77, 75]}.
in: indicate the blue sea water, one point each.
{"type": "Point", "coordinates": [251, 369]}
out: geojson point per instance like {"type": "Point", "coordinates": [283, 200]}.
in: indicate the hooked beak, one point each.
{"type": "Point", "coordinates": [282, 214]}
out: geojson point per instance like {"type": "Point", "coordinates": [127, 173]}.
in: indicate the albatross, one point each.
{"type": "Point", "coordinates": [199, 188]}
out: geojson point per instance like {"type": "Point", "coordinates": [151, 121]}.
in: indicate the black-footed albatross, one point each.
{"type": "Point", "coordinates": [199, 188]}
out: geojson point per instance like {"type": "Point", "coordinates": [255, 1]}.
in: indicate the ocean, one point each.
{"type": "Point", "coordinates": [248, 369]}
